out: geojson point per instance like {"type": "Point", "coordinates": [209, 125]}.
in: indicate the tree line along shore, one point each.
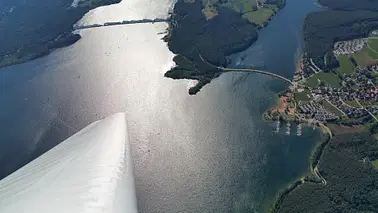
{"type": "Point", "coordinates": [196, 35]}
{"type": "Point", "coordinates": [26, 33]}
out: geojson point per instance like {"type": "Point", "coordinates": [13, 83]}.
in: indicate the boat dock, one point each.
{"type": "Point", "coordinates": [288, 128]}
{"type": "Point", "coordinates": [299, 130]}
{"type": "Point", "coordinates": [278, 126]}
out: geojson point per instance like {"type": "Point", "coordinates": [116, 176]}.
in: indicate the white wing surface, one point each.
{"type": "Point", "coordinates": [88, 173]}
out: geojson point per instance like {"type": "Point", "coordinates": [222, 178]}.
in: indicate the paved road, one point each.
{"type": "Point", "coordinates": [142, 21]}
{"type": "Point", "coordinates": [335, 107]}
{"type": "Point", "coordinates": [256, 71]}
{"type": "Point", "coordinates": [248, 70]}
{"type": "Point", "coordinates": [362, 107]}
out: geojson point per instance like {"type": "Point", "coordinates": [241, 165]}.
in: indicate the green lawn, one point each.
{"type": "Point", "coordinates": [327, 77]}
{"type": "Point", "coordinates": [331, 108]}
{"type": "Point", "coordinates": [302, 96]}
{"type": "Point", "coordinates": [352, 103]}
{"type": "Point", "coordinates": [375, 164]}
{"type": "Point", "coordinates": [260, 16]}
{"type": "Point", "coordinates": [363, 58]}
{"type": "Point", "coordinates": [240, 6]}
{"type": "Point", "coordinates": [371, 53]}
{"type": "Point", "coordinates": [246, 7]}
{"type": "Point", "coordinates": [346, 66]}
{"type": "Point", "coordinates": [373, 43]}
{"type": "Point", "coordinates": [312, 81]}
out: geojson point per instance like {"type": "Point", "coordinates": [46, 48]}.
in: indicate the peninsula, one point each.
{"type": "Point", "coordinates": [34, 29]}
{"type": "Point", "coordinates": [198, 37]}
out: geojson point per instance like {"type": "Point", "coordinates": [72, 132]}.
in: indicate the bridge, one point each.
{"type": "Point", "coordinates": [248, 70]}
{"type": "Point", "coordinates": [141, 21]}
{"type": "Point", "coordinates": [256, 71]}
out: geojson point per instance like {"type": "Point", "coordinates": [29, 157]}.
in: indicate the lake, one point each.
{"type": "Point", "coordinates": [205, 153]}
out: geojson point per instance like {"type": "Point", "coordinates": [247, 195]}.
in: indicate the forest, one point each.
{"type": "Point", "coordinates": [344, 20]}
{"type": "Point", "coordinates": [192, 37]}
{"type": "Point", "coordinates": [352, 186]}
{"type": "Point", "coordinates": [30, 29]}
{"type": "Point", "coordinates": [350, 4]}
{"type": "Point", "coordinates": [322, 29]}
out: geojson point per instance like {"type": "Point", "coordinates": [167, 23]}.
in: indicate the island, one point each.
{"type": "Point", "coordinates": [36, 28]}
{"type": "Point", "coordinates": [335, 88]}
{"type": "Point", "coordinates": [198, 37]}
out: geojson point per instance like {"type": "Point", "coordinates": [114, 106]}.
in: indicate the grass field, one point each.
{"type": "Point", "coordinates": [241, 6]}
{"type": "Point", "coordinates": [331, 108]}
{"type": "Point", "coordinates": [245, 7]}
{"type": "Point", "coordinates": [352, 103]}
{"type": "Point", "coordinates": [302, 96]}
{"type": "Point", "coordinates": [341, 130]}
{"type": "Point", "coordinates": [210, 12]}
{"type": "Point", "coordinates": [260, 16]}
{"type": "Point", "coordinates": [363, 58]}
{"type": "Point", "coordinates": [375, 164]}
{"type": "Point", "coordinates": [373, 43]}
{"type": "Point", "coordinates": [372, 53]}
{"type": "Point", "coordinates": [346, 66]}
{"type": "Point", "coordinates": [329, 78]}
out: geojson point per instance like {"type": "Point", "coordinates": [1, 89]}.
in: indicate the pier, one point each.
{"type": "Point", "coordinates": [299, 130]}
{"type": "Point", "coordinates": [288, 128]}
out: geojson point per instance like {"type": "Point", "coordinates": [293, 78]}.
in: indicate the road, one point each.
{"type": "Point", "coordinates": [367, 42]}
{"type": "Point", "coordinates": [326, 129]}
{"type": "Point", "coordinates": [313, 64]}
{"type": "Point", "coordinates": [335, 107]}
{"type": "Point", "coordinates": [256, 71]}
{"type": "Point", "coordinates": [107, 24]}
{"type": "Point", "coordinates": [343, 102]}
{"type": "Point", "coordinates": [248, 70]}
{"type": "Point", "coordinates": [318, 175]}
{"type": "Point", "coordinates": [362, 107]}
{"type": "Point", "coordinates": [315, 170]}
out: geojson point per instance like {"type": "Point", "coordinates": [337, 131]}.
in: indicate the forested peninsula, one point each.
{"type": "Point", "coordinates": [33, 28]}
{"type": "Point", "coordinates": [200, 34]}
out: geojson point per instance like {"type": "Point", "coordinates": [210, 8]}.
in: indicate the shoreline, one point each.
{"type": "Point", "coordinates": [181, 72]}
{"type": "Point", "coordinates": [66, 38]}
{"type": "Point", "coordinates": [310, 176]}
{"type": "Point", "coordinates": [275, 112]}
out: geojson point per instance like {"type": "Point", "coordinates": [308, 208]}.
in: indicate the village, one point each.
{"type": "Point", "coordinates": [346, 96]}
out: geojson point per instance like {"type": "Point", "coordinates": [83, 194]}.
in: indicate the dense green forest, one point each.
{"type": "Point", "coordinates": [322, 29]}
{"type": "Point", "coordinates": [192, 36]}
{"type": "Point", "coordinates": [30, 29]}
{"type": "Point", "coordinates": [351, 4]}
{"type": "Point", "coordinates": [352, 181]}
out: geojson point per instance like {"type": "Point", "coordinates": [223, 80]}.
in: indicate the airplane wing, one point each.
{"type": "Point", "coordinates": [88, 173]}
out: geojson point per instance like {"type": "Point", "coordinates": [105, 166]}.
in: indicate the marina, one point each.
{"type": "Point", "coordinates": [288, 128]}
{"type": "Point", "coordinates": [299, 130]}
